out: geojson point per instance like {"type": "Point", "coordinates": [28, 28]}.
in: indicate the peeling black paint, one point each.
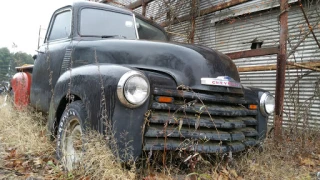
{"type": "Point", "coordinates": [159, 144]}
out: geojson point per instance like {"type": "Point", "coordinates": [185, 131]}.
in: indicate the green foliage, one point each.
{"type": "Point", "coordinates": [5, 57]}
{"type": "Point", "coordinates": [21, 58]}
{"type": "Point", "coordinates": [9, 59]}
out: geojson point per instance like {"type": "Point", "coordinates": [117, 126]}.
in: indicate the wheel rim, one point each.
{"type": "Point", "coordinates": [72, 144]}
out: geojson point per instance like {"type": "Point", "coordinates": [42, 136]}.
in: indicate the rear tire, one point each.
{"type": "Point", "coordinates": [70, 135]}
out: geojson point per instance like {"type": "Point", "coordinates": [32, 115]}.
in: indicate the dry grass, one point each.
{"type": "Point", "coordinates": [276, 161]}
{"type": "Point", "coordinates": [273, 161]}
{"type": "Point", "coordinates": [98, 162]}
{"type": "Point", "coordinates": [26, 152]}
{"type": "Point", "coordinates": [24, 146]}
{"type": "Point", "coordinates": [24, 131]}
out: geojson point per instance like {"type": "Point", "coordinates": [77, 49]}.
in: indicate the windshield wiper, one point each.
{"type": "Point", "coordinates": [112, 36]}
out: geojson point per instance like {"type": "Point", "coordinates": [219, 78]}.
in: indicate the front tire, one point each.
{"type": "Point", "coordinates": [70, 135]}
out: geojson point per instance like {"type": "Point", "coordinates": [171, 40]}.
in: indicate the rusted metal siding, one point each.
{"type": "Point", "coordinates": [236, 34]}
{"type": "Point", "coordinates": [248, 8]}
{"type": "Point", "coordinates": [302, 97]}
{"type": "Point", "coordinates": [207, 3]}
{"type": "Point", "coordinates": [180, 31]}
{"type": "Point", "coordinates": [205, 31]}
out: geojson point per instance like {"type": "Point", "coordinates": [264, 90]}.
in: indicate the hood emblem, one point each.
{"type": "Point", "coordinates": [225, 81]}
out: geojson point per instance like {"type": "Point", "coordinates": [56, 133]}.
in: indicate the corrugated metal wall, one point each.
{"type": "Point", "coordinates": [203, 26]}
{"type": "Point", "coordinates": [301, 95]}
{"type": "Point", "coordinates": [232, 29]}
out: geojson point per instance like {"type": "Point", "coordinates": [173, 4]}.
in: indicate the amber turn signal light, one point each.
{"type": "Point", "coordinates": [253, 106]}
{"type": "Point", "coordinates": [164, 99]}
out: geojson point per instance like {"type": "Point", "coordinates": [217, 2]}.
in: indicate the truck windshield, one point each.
{"type": "Point", "coordinates": [149, 32]}
{"type": "Point", "coordinates": [103, 23]}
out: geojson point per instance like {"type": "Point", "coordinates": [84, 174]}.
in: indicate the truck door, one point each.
{"type": "Point", "coordinates": [47, 66]}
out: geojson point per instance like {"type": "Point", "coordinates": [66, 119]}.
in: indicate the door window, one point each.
{"type": "Point", "coordinates": [61, 26]}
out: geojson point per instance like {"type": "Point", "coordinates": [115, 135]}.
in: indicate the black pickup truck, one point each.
{"type": "Point", "coordinates": [111, 70]}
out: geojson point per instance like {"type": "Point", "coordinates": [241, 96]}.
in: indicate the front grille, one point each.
{"type": "Point", "coordinates": [205, 123]}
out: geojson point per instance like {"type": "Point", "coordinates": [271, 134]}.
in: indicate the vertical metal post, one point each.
{"type": "Point", "coordinates": [144, 7]}
{"type": "Point", "coordinates": [193, 20]}
{"type": "Point", "coordinates": [281, 69]}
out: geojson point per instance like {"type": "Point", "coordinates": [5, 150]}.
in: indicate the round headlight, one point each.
{"type": "Point", "coordinates": [133, 89]}
{"type": "Point", "coordinates": [267, 104]}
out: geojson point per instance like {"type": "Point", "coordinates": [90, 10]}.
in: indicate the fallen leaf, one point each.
{"type": "Point", "coordinates": [151, 176]}
{"type": "Point", "coordinates": [225, 171]}
{"type": "Point", "coordinates": [254, 166]}
{"type": "Point", "coordinates": [51, 171]}
{"type": "Point", "coordinates": [37, 161]}
{"type": "Point", "coordinates": [17, 163]}
{"type": "Point", "coordinates": [85, 178]}
{"type": "Point", "coordinates": [12, 154]}
{"type": "Point", "coordinates": [233, 173]}
{"type": "Point", "coordinates": [307, 162]}
{"type": "Point", "coordinates": [25, 164]}
{"type": "Point", "coordinates": [9, 164]}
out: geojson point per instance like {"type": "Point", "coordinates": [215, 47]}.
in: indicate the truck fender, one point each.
{"type": "Point", "coordinates": [95, 85]}
{"type": "Point", "coordinates": [253, 96]}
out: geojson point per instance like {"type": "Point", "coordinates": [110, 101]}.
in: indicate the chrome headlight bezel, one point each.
{"type": "Point", "coordinates": [121, 84]}
{"type": "Point", "coordinates": [263, 108]}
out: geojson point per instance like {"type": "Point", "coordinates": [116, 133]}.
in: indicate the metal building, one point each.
{"type": "Point", "coordinates": [235, 28]}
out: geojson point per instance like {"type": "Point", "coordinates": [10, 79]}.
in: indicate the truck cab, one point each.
{"type": "Point", "coordinates": [111, 70]}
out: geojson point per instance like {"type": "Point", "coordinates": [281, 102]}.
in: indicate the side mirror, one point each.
{"type": "Point", "coordinates": [138, 25]}
{"type": "Point", "coordinates": [34, 57]}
